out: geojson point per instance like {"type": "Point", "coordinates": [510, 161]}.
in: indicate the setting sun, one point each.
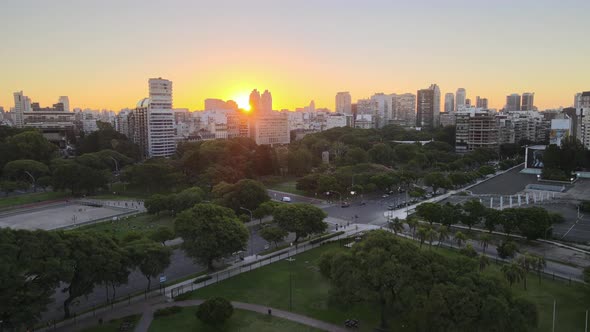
{"type": "Point", "coordinates": [243, 101]}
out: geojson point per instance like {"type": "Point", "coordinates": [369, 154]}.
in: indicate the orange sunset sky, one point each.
{"type": "Point", "coordinates": [101, 53]}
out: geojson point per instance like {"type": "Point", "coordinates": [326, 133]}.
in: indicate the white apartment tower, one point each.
{"type": "Point", "coordinates": [343, 103]}
{"type": "Point", "coordinates": [461, 95]}
{"type": "Point", "coordinates": [22, 104]}
{"type": "Point", "coordinates": [66, 102]}
{"type": "Point", "coordinates": [160, 119]}
{"type": "Point", "coordinates": [449, 102]}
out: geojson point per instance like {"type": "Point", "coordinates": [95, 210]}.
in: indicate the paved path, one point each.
{"type": "Point", "coordinates": [148, 315]}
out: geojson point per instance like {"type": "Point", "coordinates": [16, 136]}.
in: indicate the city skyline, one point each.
{"type": "Point", "coordinates": [91, 53]}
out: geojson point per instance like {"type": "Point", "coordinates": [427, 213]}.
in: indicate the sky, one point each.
{"type": "Point", "coordinates": [101, 53]}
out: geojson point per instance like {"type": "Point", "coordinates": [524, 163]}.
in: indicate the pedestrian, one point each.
{"type": "Point", "coordinates": [269, 312]}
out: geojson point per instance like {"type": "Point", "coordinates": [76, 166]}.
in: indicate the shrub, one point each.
{"type": "Point", "coordinates": [215, 311]}
{"type": "Point", "coordinates": [167, 311]}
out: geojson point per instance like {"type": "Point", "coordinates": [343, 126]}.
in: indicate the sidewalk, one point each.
{"type": "Point", "coordinates": [148, 315]}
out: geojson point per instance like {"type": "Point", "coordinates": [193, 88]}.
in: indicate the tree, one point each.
{"type": "Point", "coordinates": [381, 154]}
{"type": "Point", "coordinates": [246, 193]}
{"type": "Point", "coordinates": [79, 179]}
{"type": "Point", "coordinates": [507, 249]}
{"type": "Point", "coordinates": [265, 209]}
{"type": "Point", "coordinates": [150, 258]}
{"type": "Point", "coordinates": [26, 170]}
{"type": "Point", "coordinates": [431, 212]}
{"type": "Point", "coordinates": [437, 180]}
{"type": "Point", "coordinates": [301, 219]}
{"type": "Point", "coordinates": [538, 264]}
{"type": "Point", "coordinates": [475, 213]}
{"type": "Point", "coordinates": [162, 234]}
{"type": "Point", "coordinates": [356, 156]}
{"type": "Point", "coordinates": [30, 272]}
{"type": "Point", "coordinates": [273, 234]}
{"type": "Point", "coordinates": [430, 236]}
{"type": "Point", "coordinates": [443, 234]}
{"type": "Point", "coordinates": [215, 311]}
{"type": "Point", "coordinates": [513, 273]}
{"type": "Point", "coordinates": [422, 232]}
{"type": "Point", "coordinates": [484, 241]}
{"type": "Point", "coordinates": [31, 145]}
{"type": "Point", "coordinates": [210, 232]}
{"type": "Point", "coordinates": [152, 176]}
{"type": "Point", "coordinates": [412, 224]}
{"type": "Point", "coordinates": [396, 225]}
{"type": "Point", "coordinates": [484, 262]}
{"type": "Point", "coordinates": [509, 220]}
{"type": "Point", "coordinates": [460, 238]}
{"type": "Point", "coordinates": [493, 217]}
{"type": "Point", "coordinates": [533, 222]}
{"type": "Point", "coordinates": [86, 255]}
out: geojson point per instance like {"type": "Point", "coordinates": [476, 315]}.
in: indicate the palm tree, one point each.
{"type": "Point", "coordinates": [513, 273]}
{"type": "Point", "coordinates": [422, 234]}
{"type": "Point", "coordinates": [396, 225]}
{"type": "Point", "coordinates": [526, 263]}
{"type": "Point", "coordinates": [430, 236]}
{"type": "Point", "coordinates": [484, 261]}
{"type": "Point", "coordinates": [538, 264]}
{"type": "Point", "coordinates": [443, 234]}
{"type": "Point", "coordinates": [484, 241]}
{"type": "Point", "coordinates": [460, 238]}
{"type": "Point", "coordinates": [412, 223]}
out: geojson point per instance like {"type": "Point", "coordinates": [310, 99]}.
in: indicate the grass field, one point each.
{"type": "Point", "coordinates": [114, 325]}
{"type": "Point", "coordinates": [243, 321]}
{"type": "Point", "coordinates": [269, 285]}
{"type": "Point", "coordinates": [288, 187]}
{"type": "Point", "coordinates": [6, 202]}
{"type": "Point", "coordinates": [142, 224]}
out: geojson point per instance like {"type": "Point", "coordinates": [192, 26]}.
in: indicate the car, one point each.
{"type": "Point", "coordinates": [345, 204]}
{"type": "Point", "coordinates": [266, 246]}
{"type": "Point", "coordinates": [363, 203]}
{"type": "Point", "coordinates": [428, 196]}
{"type": "Point", "coordinates": [391, 207]}
{"type": "Point", "coordinates": [286, 199]}
{"type": "Point", "coordinates": [385, 196]}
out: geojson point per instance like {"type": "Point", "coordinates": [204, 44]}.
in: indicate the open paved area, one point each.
{"type": "Point", "coordinates": [508, 183]}
{"type": "Point", "coordinates": [57, 216]}
{"type": "Point", "coordinates": [576, 227]}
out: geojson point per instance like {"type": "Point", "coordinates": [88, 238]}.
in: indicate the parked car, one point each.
{"type": "Point", "coordinates": [345, 204]}
{"type": "Point", "coordinates": [391, 207]}
{"type": "Point", "coordinates": [385, 196]}
{"type": "Point", "coordinates": [286, 199]}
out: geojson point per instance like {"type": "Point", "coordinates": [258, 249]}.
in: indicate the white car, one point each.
{"type": "Point", "coordinates": [286, 199]}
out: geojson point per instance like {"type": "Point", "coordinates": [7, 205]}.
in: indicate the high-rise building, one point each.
{"type": "Point", "coordinates": [425, 109]}
{"type": "Point", "coordinates": [528, 101]}
{"type": "Point", "coordinates": [460, 98]}
{"type": "Point", "coordinates": [512, 102]}
{"type": "Point", "coordinates": [266, 102]}
{"type": "Point", "coordinates": [449, 102]}
{"type": "Point", "coordinates": [254, 101]}
{"type": "Point", "coordinates": [343, 103]}
{"type": "Point", "coordinates": [212, 104]}
{"type": "Point", "coordinates": [481, 103]}
{"type": "Point", "coordinates": [436, 105]}
{"type": "Point", "coordinates": [22, 104]}
{"type": "Point", "coordinates": [475, 129]}
{"type": "Point", "coordinates": [66, 102]}
{"type": "Point", "coordinates": [577, 100]}
{"type": "Point", "coordinates": [383, 113]}
{"type": "Point", "coordinates": [404, 109]}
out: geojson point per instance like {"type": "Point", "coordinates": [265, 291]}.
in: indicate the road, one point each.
{"type": "Point", "coordinates": [371, 212]}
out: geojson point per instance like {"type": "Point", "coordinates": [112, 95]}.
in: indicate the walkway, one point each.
{"type": "Point", "coordinates": [148, 315]}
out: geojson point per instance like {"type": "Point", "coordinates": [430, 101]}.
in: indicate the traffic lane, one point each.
{"type": "Point", "coordinates": [278, 195]}
{"type": "Point", "coordinates": [369, 212]}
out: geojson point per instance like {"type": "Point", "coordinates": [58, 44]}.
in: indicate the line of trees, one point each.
{"type": "Point", "coordinates": [424, 291]}
{"type": "Point", "coordinates": [35, 263]}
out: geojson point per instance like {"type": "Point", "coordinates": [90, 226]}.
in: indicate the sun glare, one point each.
{"type": "Point", "coordinates": [243, 101]}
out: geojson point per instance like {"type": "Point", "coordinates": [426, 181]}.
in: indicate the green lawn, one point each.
{"type": "Point", "coordinates": [6, 202]}
{"type": "Point", "coordinates": [241, 320]}
{"type": "Point", "coordinates": [114, 325]}
{"type": "Point", "coordinates": [270, 286]}
{"type": "Point", "coordinates": [288, 187]}
{"type": "Point", "coordinates": [142, 224]}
